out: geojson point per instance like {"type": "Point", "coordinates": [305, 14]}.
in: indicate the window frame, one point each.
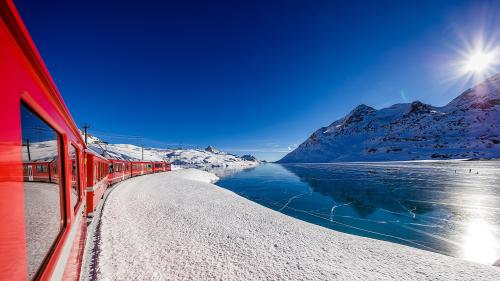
{"type": "Point", "coordinates": [77, 180]}
{"type": "Point", "coordinates": [61, 183]}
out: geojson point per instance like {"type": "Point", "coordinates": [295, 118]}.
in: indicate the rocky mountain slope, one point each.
{"type": "Point", "coordinates": [467, 127]}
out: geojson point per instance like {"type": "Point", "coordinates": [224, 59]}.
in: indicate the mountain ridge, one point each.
{"type": "Point", "coordinates": [467, 127]}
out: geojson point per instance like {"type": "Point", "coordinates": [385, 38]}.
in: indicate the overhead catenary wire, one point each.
{"type": "Point", "coordinates": [139, 139]}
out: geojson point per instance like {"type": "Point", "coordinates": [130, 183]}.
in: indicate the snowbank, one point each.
{"type": "Point", "coordinates": [177, 226]}
{"type": "Point", "coordinates": [195, 175]}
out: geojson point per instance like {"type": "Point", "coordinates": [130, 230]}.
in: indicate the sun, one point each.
{"type": "Point", "coordinates": [479, 62]}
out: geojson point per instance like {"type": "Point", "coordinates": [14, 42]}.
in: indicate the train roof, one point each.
{"type": "Point", "coordinates": [26, 45]}
{"type": "Point", "coordinates": [90, 151]}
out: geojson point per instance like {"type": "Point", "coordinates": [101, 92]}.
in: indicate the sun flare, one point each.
{"type": "Point", "coordinates": [476, 58]}
{"type": "Point", "coordinates": [479, 62]}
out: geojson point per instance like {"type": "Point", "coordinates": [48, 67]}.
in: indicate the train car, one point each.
{"type": "Point", "coordinates": [162, 166]}
{"type": "Point", "coordinates": [148, 167]}
{"type": "Point", "coordinates": [119, 170]}
{"type": "Point", "coordinates": [43, 220]}
{"type": "Point", "coordinates": [159, 166]}
{"type": "Point", "coordinates": [141, 168]}
{"type": "Point", "coordinates": [128, 169]}
{"type": "Point", "coordinates": [42, 170]}
{"type": "Point", "coordinates": [97, 179]}
{"type": "Point", "coordinates": [137, 169]}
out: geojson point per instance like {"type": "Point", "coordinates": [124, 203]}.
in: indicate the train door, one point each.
{"type": "Point", "coordinates": [142, 171]}
{"type": "Point", "coordinates": [30, 173]}
{"type": "Point", "coordinates": [123, 171]}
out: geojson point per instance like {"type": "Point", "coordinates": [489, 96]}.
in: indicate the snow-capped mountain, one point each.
{"type": "Point", "coordinates": [467, 127]}
{"type": "Point", "coordinates": [196, 158]}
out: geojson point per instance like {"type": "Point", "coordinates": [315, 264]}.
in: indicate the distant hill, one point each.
{"type": "Point", "coordinates": [467, 127]}
{"type": "Point", "coordinates": [197, 158]}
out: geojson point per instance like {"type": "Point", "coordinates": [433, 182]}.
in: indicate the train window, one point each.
{"type": "Point", "coordinates": [42, 192]}
{"type": "Point", "coordinates": [75, 182]}
{"type": "Point", "coordinates": [42, 169]}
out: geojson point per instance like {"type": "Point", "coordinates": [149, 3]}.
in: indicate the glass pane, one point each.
{"type": "Point", "coordinates": [75, 184]}
{"type": "Point", "coordinates": [42, 205]}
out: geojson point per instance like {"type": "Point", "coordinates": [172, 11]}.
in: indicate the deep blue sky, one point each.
{"type": "Point", "coordinates": [248, 77]}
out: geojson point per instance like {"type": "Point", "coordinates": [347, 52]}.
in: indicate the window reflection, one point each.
{"type": "Point", "coordinates": [75, 184]}
{"type": "Point", "coordinates": [42, 205]}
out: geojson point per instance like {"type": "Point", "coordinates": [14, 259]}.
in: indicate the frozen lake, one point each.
{"type": "Point", "coordinates": [451, 207]}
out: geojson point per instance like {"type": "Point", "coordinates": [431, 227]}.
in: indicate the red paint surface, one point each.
{"type": "Point", "coordinates": [24, 78]}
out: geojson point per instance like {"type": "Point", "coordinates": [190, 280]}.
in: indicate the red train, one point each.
{"type": "Point", "coordinates": [97, 179]}
{"type": "Point", "coordinates": [103, 172]}
{"type": "Point", "coordinates": [49, 180]}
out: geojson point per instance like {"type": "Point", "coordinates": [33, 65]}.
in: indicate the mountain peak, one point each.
{"type": "Point", "coordinates": [420, 107]}
{"type": "Point", "coordinates": [212, 149]}
{"type": "Point", "coordinates": [465, 128]}
{"type": "Point", "coordinates": [360, 110]}
{"type": "Point", "coordinates": [363, 107]}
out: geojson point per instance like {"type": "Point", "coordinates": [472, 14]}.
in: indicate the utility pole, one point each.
{"type": "Point", "coordinates": [28, 147]}
{"type": "Point", "coordinates": [85, 127]}
{"type": "Point", "coordinates": [139, 141]}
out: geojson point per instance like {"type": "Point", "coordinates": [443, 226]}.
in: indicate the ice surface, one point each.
{"type": "Point", "coordinates": [448, 207]}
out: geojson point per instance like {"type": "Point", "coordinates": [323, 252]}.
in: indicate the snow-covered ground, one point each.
{"type": "Point", "coordinates": [40, 151]}
{"type": "Point", "coordinates": [179, 226]}
{"type": "Point", "coordinates": [194, 158]}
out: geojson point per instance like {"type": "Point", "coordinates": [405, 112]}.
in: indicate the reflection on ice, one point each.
{"type": "Point", "coordinates": [446, 207]}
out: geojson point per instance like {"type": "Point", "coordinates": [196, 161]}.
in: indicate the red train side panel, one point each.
{"type": "Point", "coordinates": [119, 170]}
{"type": "Point", "coordinates": [97, 179]}
{"type": "Point", "coordinates": [161, 166]}
{"type": "Point", "coordinates": [141, 168]}
{"type": "Point", "coordinates": [42, 215]}
{"type": "Point", "coordinates": [44, 171]}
